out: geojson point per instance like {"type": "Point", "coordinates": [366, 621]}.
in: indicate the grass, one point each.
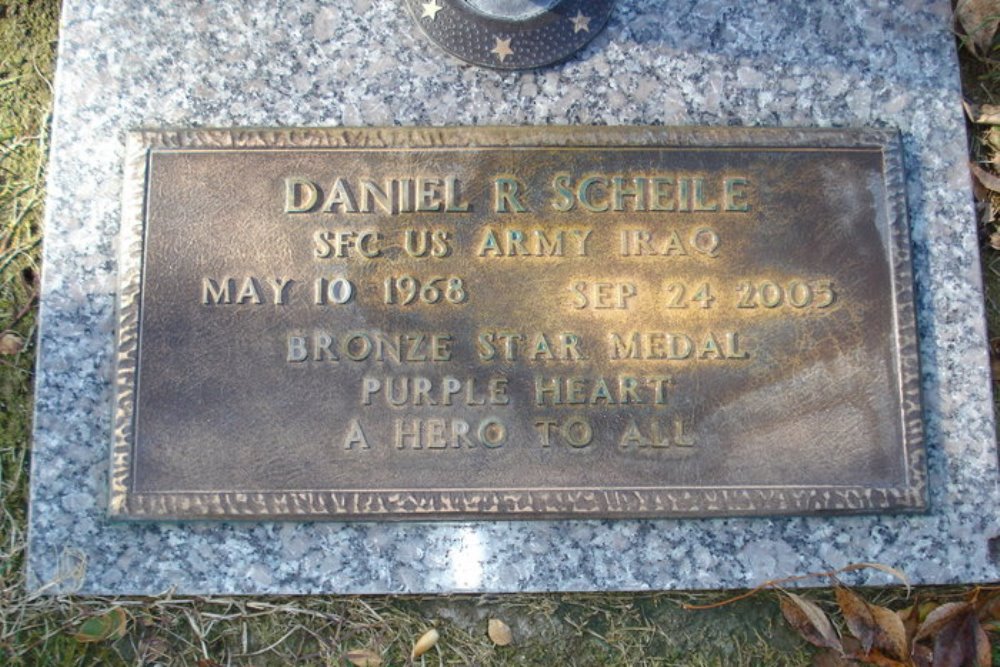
{"type": "Point", "coordinates": [569, 629]}
{"type": "Point", "coordinates": [27, 38]}
{"type": "Point", "coordinates": [598, 629]}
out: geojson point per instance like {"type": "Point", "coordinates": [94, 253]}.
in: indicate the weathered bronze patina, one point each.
{"type": "Point", "coordinates": [427, 323]}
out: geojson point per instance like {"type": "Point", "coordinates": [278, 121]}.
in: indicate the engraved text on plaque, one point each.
{"type": "Point", "coordinates": [514, 323]}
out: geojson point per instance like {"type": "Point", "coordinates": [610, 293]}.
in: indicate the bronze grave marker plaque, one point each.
{"type": "Point", "coordinates": [434, 323]}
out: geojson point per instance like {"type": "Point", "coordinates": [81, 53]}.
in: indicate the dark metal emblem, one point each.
{"type": "Point", "coordinates": [495, 323]}
{"type": "Point", "coordinates": [511, 34]}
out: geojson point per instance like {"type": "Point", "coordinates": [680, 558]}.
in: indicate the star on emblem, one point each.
{"type": "Point", "coordinates": [502, 49]}
{"type": "Point", "coordinates": [431, 9]}
{"type": "Point", "coordinates": [580, 22]}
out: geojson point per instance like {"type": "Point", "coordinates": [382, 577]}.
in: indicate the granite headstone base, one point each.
{"type": "Point", "coordinates": [125, 64]}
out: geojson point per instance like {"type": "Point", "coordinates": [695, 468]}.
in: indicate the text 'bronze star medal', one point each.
{"type": "Point", "coordinates": [511, 34]}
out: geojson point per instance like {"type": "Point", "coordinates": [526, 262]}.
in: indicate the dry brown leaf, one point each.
{"type": "Point", "coordinates": [949, 650]}
{"type": "Point", "coordinates": [499, 632]}
{"type": "Point", "coordinates": [992, 138]}
{"type": "Point", "coordinates": [924, 609]}
{"type": "Point", "coordinates": [881, 631]}
{"type": "Point", "coordinates": [982, 651]}
{"type": "Point", "coordinates": [810, 621]}
{"type": "Point", "coordinates": [983, 114]}
{"type": "Point", "coordinates": [989, 180]}
{"type": "Point", "coordinates": [961, 641]}
{"type": "Point", "coordinates": [10, 343]}
{"type": "Point", "coordinates": [425, 643]}
{"type": "Point", "coordinates": [981, 194]}
{"type": "Point", "coordinates": [858, 616]}
{"type": "Point", "coordinates": [851, 645]}
{"type": "Point", "coordinates": [988, 606]}
{"type": "Point", "coordinates": [979, 20]}
{"type": "Point", "coordinates": [921, 656]}
{"type": "Point", "coordinates": [988, 114]}
{"type": "Point", "coordinates": [940, 617]}
{"type": "Point", "coordinates": [910, 618]}
{"type": "Point", "coordinates": [363, 658]}
{"type": "Point", "coordinates": [890, 633]}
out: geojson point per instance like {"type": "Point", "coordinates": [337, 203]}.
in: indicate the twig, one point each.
{"type": "Point", "coordinates": [853, 567]}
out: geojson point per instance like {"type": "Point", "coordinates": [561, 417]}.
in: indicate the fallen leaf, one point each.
{"type": "Point", "coordinates": [988, 607]}
{"type": "Point", "coordinates": [205, 662]}
{"type": "Point", "coordinates": [424, 644]}
{"type": "Point", "coordinates": [810, 621]}
{"type": "Point", "coordinates": [982, 651]}
{"type": "Point", "coordinates": [890, 633]}
{"type": "Point", "coordinates": [851, 645]}
{"type": "Point", "coordinates": [924, 609]}
{"type": "Point", "coordinates": [881, 631]}
{"type": "Point", "coordinates": [499, 632]}
{"type": "Point", "coordinates": [981, 194]}
{"type": "Point", "coordinates": [858, 616]}
{"type": "Point", "coordinates": [988, 114]}
{"type": "Point", "coordinates": [957, 642]}
{"type": "Point", "coordinates": [995, 243]}
{"type": "Point", "coordinates": [983, 114]}
{"type": "Point", "coordinates": [959, 638]}
{"type": "Point", "coordinates": [363, 658]}
{"type": "Point", "coordinates": [921, 656]}
{"type": "Point", "coordinates": [939, 617]}
{"type": "Point", "coordinates": [109, 625]}
{"type": "Point", "coordinates": [10, 343]}
{"type": "Point", "coordinates": [979, 20]}
{"type": "Point", "coordinates": [910, 618]}
{"type": "Point", "coordinates": [989, 180]}
{"type": "Point", "coordinates": [949, 651]}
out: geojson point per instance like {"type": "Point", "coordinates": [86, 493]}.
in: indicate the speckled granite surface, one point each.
{"type": "Point", "coordinates": [159, 63]}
